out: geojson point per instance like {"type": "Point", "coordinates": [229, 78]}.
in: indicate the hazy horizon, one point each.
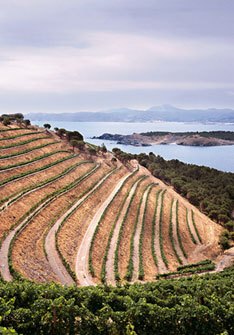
{"type": "Point", "coordinates": [106, 110]}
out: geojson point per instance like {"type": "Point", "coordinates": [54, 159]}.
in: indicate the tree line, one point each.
{"type": "Point", "coordinates": [223, 135]}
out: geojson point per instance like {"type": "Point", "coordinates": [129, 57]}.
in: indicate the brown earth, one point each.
{"type": "Point", "coordinates": [173, 263]}
{"type": "Point", "coordinates": [28, 254]}
{"type": "Point", "coordinates": [124, 249]}
{"type": "Point", "coordinates": [32, 166]}
{"type": "Point", "coordinates": [34, 144]}
{"type": "Point", "coordinates": [12, 188]}
{"type": "Point", "coordinates": [101, 240]}
{"type": "Point", "coordinates": [76, 225]}
{"type": "Point", "coordinates": [188, 244]}
{"type": "Point", "coordinates": [18, 140]}
{"type": "Point", "coordinates": [110, 272]}
{"type": "Point", "coordinates": [29, 244]}
{"type": "Point", "coordinates": [15, 212]}
{"type": "Point", "coordinates": [148, 261]}
{"type": "Point", "coordinates": [10, 133]}
{"type": "Point", "coordinates": [30, 155]}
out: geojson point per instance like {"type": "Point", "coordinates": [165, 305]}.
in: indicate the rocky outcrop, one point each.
{"type": "Point", "coordinates": [167, 138]}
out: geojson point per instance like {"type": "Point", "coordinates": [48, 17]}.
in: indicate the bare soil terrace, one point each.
{"type": "Point", "coordinates": [28, 146]}
{"type": "Point", "coordinates": [72, 232]}
{"type": "Point", "coordinates": [27, 157]}
{"type": "Point", "coordinates": [124, 249]}
{"type": "Point", "coordinates": [17, 186]}
{"type": "Point", "coordinates": [16, 141]}
{"type": "Point", "coordinates": [12, 214]}
{"type": "Point", "coordinates": [33, 166]}
{"type": "Point", "coordinates": [32, 262]}
{"type": "Point", "coordinates": [28, 253]}
{"type": "Point", "coordinates": [101, 239]}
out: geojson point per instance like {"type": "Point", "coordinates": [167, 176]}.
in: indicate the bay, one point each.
{"type": "Point", "coordinates": [218, 157]}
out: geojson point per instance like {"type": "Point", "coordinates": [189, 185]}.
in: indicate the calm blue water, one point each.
{"type": "Point", "coordinates": [221, 157]}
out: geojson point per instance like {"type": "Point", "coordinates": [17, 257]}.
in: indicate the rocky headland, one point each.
{"type": "Point", "coordinates": [202, 139]}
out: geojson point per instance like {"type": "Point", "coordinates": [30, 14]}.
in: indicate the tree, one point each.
{"type": "Point", "coordinates": [61, 132]}
{"type": "Point", "coordinates": [47, 126]}
{"type": "Point", "coordinates": [92, 151]}
{"type": "Point", "coordinates": [27, 122]}
{"type": "Point", "coordinates": [74, 135]}
{"type": "Point", "coordinates": [77, 144]}
{"type": "Point", "coordinates": [6, 121]}
{"type": "Point", "coordinates": [103, 148]}
{"type": "Point", "coordinates": [80, 145]}
{"type": "Point", "coordinates": [74, 144]}
{"type": "Point", "coordinates": [224, 239]}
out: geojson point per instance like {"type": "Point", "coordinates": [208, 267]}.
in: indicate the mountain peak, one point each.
{"type": "Point", "coordinates": [163, 108]}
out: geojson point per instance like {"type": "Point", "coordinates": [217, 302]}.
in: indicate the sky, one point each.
{"type": "Point", "coordinates": [90, 55]}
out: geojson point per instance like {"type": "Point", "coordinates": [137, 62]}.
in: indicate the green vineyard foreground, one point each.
{"type": "Point", "coordinates": [192, 306]}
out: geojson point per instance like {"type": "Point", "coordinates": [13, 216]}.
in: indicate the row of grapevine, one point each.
{"type": "Point", "coordinates": [41, 179]}
{"type": "Point", "coordinates": [35, 159]}
{"type": "Point", "coordinates": [29, 172]}
{"type": "Point", "coordinates": [24, 151]}
{"type": "Point", "coordinates": [133, 248]}
{"type": "Point", "coordinates": [28, 141]}
{"type": "Point", "coordinates": [141, 272]}
{"type": "Point", "coordinates": [84, 197]}
{"type": "Point", "coordinates": [102, 218]}
{"type": "Point", "coordinates": [21, 135]}
{"type": "Point", "coordinates": [56, 195]}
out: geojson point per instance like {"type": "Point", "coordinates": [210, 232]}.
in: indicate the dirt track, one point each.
{"type": "Point", "coordinates": [110, 275]}
{"type": "Point", "coordinates": [52, 254]}
{"type": "Point", "coordinates": [82, 268]}
{"type": "Point", "coordinates": [175, 235]}
{"type": "Point", "coordinates": [137, 237]}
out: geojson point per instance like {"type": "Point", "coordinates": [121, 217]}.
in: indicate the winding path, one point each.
{"type": "Point", "coordinates": [191, 226]}
{"type": "Point", "coordinates": [50, 241]}
{"type": "Point", "coordinates": [175, 235]}
{"type": "Point", "coordinates": [4, 251]}
{"type": "Point", "coordinates": [135, 258]}
{"type": "Point", "coordinates": [5, 248]}
{"type": "Point", "coordinates": [161, 265]}
{"type": "Point", "coordinates": [82, 258]}
{"type": "Point", "coordinates": [19, 195]}
{"type": "Point", "coordinates": [110, 274]}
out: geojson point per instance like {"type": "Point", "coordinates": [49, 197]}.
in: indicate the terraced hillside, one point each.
{"type": "Point", "coordinates": [82, 217]}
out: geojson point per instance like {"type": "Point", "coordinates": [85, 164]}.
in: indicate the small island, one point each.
{"type": "Point", "coordinates": [201, 139]}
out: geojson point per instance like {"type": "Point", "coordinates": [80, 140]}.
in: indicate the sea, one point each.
{"type": "Point", "coordinates": [218, 157]}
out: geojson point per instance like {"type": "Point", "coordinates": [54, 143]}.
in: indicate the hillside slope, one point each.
{"type": "Point", "coordinates": [81, 216]}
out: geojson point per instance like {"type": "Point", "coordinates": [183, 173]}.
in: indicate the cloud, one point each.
{"type": "Point", "coordinates": [117, 62]}
{"type": "Point", "coordinates": [230, 93]}
{"type": "Point", "coordinates": [109, 48]}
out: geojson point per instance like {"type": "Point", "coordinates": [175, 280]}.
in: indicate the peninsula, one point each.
{"type": "Point", "coordinates": [202, 139]}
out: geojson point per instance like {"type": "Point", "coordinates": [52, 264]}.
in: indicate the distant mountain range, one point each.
{"type": "Point", "coordinates": [156, 113]}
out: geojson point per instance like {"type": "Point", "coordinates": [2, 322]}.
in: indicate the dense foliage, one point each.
{"type": "Point", "coordinates": [223, 135]}
{"type": "Point", "coordinates": [18, 118]}
{"type": "Point", "coordinates": [196, 305]}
